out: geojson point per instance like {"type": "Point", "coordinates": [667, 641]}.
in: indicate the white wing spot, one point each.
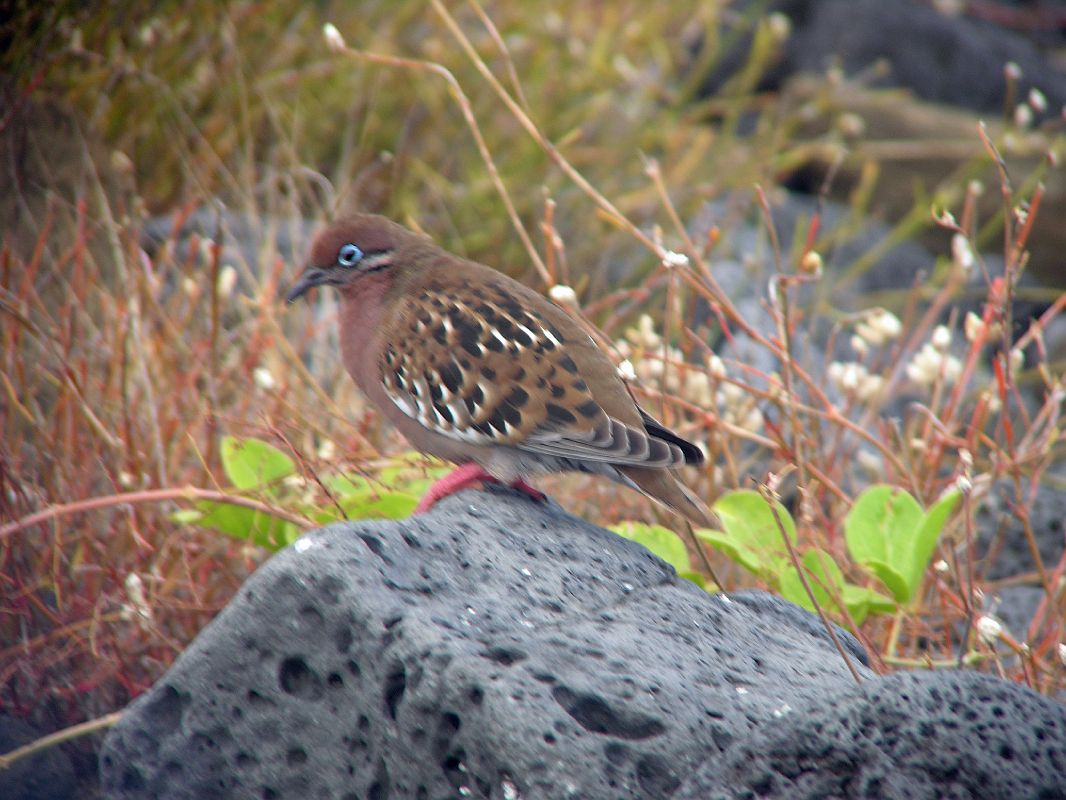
{"type": "Point", "coordinates": [550, 336]}
{"type": "Point", "coordinates": [499, 337]}
{"type": "Point", "coordinates": [529, 333]}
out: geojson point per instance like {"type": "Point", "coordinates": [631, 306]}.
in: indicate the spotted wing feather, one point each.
{"type": "Point", "coordinates": [490, 370]}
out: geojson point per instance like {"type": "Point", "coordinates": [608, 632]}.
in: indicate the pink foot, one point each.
{"type": "Point", "coordinates": [467, 476]}
{"type": "Point", "coordinates": [535, 494]}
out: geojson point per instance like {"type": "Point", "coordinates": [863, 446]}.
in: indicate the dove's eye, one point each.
{"type": "Point", "coordinates": [349, 255]}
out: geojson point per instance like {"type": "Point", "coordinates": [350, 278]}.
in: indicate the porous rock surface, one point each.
{"type": "Point", "coordinates": [498, 648]}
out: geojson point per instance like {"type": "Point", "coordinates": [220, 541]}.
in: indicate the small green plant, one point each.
{"type": "Point", "coordinates": [256, 467]}
{"type": "Point", "coordinates": [886, 532]}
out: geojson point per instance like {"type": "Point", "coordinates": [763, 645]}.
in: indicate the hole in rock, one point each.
{"type": "Point", "coordinates": [454, 768]}
{"type": "Point", "coordinates": [374, 545]}
{"type": "Point", "coordinates": [380, 788]}
{"type": "Point", "coordinates": [298, 679]}
{"type": "Point", "coordinates": [343, 638]}
{"type": "Point", "coordinates": [447, 726]}
{"type": "Point", "coordinates": [395, 686]}
{"type": "Point", "coordinates": [504, 656]}
{"type": "Point", "coordinates": [167, 708]}
{"type": "Point", "coordinates": [597, 716]}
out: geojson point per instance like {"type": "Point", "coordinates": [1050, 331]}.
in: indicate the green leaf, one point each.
{"type": "Point", "coordinates": [361, 499]}
{"type": "Point", "coordinates": [862, 602]}
{"type": "Point", "coordinates": [663, 542]}
{"type": "Point", "coordinates": [248, 524]}
{"type": "Point", "coordinates": [887, 532]}
{"type": "Point", "coordinates": [694, 577]}
{"type": "Point", "coordinates": [346, 484]}
{"type": "Point", "coordinates": [751, 535]}
{"type": "Point", "coordinates": [893, 580]}
{"type": "Point", "coordinates": [378, 505]}
{"type": "Point", "coordinates": [251, 462]}
{"type": "Point", "coordinates": [735, 551]}
{"type": "Point", "coordinates": [878, 520]}
{"type": "Point", "coordinates": [824, 578]}
{"type": "Point", "coordinates": [928, 535]}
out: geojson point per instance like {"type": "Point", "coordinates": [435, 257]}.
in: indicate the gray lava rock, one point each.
{"type": "Point", "coordinates": [908, 735]}
{"type": "Point", "coordinates": [497, 648]}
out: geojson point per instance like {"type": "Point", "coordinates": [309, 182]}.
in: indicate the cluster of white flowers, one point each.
{"type": "Point", "coordinates": [854, 380]}
{"type": "Point", "coordinates": [933, 362]}
{"type": "Point", "coordinates": [1035, 103]}
{"type": "Point", "coordinates": [875, 328]}
{"type": "Point", "coordinates": [878, 326]}
{"type": "Point", "coordinates": [642, 349]}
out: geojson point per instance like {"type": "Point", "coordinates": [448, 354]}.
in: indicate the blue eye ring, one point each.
{"type": "Point", "coordinates": [349, 255]}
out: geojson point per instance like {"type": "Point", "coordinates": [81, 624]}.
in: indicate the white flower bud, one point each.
{"type": "Point", "coordinates": [961, 252]}
{"type": "Point", "coordinates": [780, 26]}
{"type": "Point", "coordinates": [138, 607]}
{"type": "Point", "coordinates": [1023, 115]}
{"type": "Point", "coordinates": [851, 125]}
{"type": "Point", "coordinates": [1037, 100]}
{"type": "Point", "coordinates": [1017, 359]}
{"type": "Point", "coordinates": [941, 338]}
{"type": "Point", "coordinates": [647, 335]}
{"type": "Point", "coordinates": [563, 295]}
{"type": "Point", "coordinates": [227, 280]}
{"type": "Point", "coordinates": [674, 259]}
{"type": "Point", "coordinates": [989, 629]}
{"type": "Point", "coordinates": [698, 388]}
{"type": "Point", "coordinates": [879, 326]}
{"type": "Point", "coordinates": [263, 379]}
{"type": "Point", "coordinates": [929, 363]}
{"type": "Point", "coordinates": [811, 263]}
{"type": "Point", "coordinates": [333, 37]}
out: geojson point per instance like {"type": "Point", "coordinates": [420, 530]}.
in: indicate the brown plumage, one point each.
{"type": "Point", "coordinates": [473, 367]}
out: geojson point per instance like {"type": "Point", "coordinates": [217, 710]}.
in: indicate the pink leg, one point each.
{"type": "Point", "coordinates": [535, 494]}
{"type": "Point", "coordinates": [467, 476]}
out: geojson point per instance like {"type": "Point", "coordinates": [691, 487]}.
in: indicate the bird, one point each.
{"type": "Point", "coordinates": [475, 368]}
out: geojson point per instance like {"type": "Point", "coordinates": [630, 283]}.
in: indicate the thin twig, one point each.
{"type": "Point", "coordinates": [150, 496]}
{"type": "Point", "coordinates": [51, 740]}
